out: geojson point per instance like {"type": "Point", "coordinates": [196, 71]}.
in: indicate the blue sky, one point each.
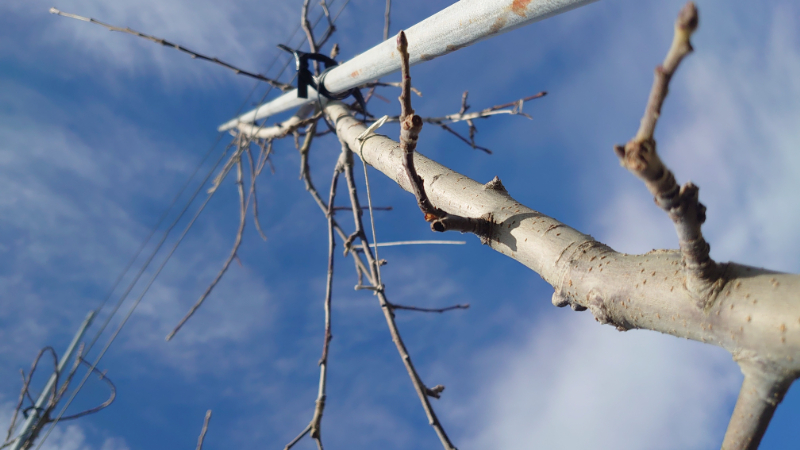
{"type": "Point", "coordinates": [99, 131]}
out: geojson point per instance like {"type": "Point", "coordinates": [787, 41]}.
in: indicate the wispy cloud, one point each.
{"type": "Point", "coordinates": [243, 33]}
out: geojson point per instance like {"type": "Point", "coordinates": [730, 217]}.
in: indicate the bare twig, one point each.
{"type": "Point", "coordinates": [470, 141]}
{"type": "Point", "coordinates": [203, 430]}
{"type": "Point", "coordinates": [112, 396]}
{"type": "Point", "coordinates": [282, 86]}
{"type": "Point", "coordinates": [429, 242]}
{"type": "Point", "coordinates": [237, 242]}
{"type": "Point", "coordinates": [640, 157]}
{"type": "Point", "coordinates": [759, 396]}
{"type": "Point", "coordinates": [410, 126]}
{"type": "Point", "coordinates": [255, 171]}
{"type": "Point", "coordinates": [25, 391]}
{"type": "Point", "coordinates": [281, 129]}
{"type": "Point", "coordinates": [348, 208]}
{"type": "Point", "coordinates": [298, 437]}
{"type": "Point", "coordinates": [374, 277]}
{"type": "Point", "coordinates": [319, 408]}
{"type": "Point", "coordinates": [430, 310]}
{"type": "Point", "coordinates": [312, 44]}
{"type": "Point", "coordinates": [329, 30]}
{"type": "Point", "coordinates": [386, 19]}
{"type": "Point", "coordinates": [462, 116]}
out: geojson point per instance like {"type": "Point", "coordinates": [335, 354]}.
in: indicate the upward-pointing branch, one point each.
{"type": "Point", "coordinates": [680, 202]}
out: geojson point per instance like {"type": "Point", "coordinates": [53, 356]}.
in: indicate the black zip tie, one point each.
{"type": "Point", "coordinates": [305, 78]}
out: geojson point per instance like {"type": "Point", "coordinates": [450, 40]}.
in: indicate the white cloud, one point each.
{"type": "Point", "coordinates": [242, 33]}
{"type": "Point", "coordinates": [574, 384]}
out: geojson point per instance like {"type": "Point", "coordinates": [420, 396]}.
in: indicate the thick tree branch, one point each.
{"type": "Point", "coordinates": [756, 310]}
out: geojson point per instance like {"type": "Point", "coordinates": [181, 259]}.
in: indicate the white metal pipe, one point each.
{"type": "Point", "coordinates": [458, 26]}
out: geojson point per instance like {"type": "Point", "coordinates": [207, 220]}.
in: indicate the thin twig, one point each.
{"type": "Point", "coordinates": [462, 116]}
{"type": "Point", "coordinates": [237, 242]}
{"type": "Point", "coordinates": [25, 391]}
{"type": "Point", "coordinates": [282, 86]}
{"type": "Point", "coordinates": [329, 30]}
{"type": "Point", "coordinates": [203, 430]}
{"type": "Point", "coordinates": [112, 396]}
{"type": "Point", "coordinates": [255, 171]}
{"type": "Point", "coordinates": [312, 44]}
{"type": "Point", "coordinates": [298, 437]}
{"type": "Point", "coordinates": [431, 310]}
{"type": "Point", "coordinates": [470, 142]}
{"type": "Point", "coordinates": [393, 244]}
{"type": "Point", "coordinates": [348, 208]}
{"type": "Point", "coordinates": [410, 126]}
{"type": "Point", "coordinates": [374, 276]}
{"type": "Point", "coordinates": [386, 19]}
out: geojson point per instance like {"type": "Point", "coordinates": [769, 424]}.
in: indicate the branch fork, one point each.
{"type": "Point", "coordinates": [410, 127]}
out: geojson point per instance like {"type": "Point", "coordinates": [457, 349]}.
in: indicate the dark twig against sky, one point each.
{"type": "Point", "coordinates": [237, 242]}
{"type": "Point", "coordinates": [410, 126]}
{"type": "Point", "coordinates": [282, 86]}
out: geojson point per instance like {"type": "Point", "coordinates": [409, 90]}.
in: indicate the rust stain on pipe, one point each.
{"type": "Point", "coordinates": [497, 25]}
{"type": "Point", "coordinates": [519, 7]}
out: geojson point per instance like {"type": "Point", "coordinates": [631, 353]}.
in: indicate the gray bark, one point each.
{"type": "Point", "coordinates": [753, 313]}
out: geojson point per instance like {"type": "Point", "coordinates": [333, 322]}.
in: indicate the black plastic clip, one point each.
{"type": "Point", "coordinates": [305, 78]}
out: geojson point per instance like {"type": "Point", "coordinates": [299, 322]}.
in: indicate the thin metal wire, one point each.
{"type": "Point", "coordinates": [125, 319]}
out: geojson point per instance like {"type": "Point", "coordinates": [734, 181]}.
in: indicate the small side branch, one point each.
{"type": "Point", "coordinates": [410, 126]}
{"type": "Point", "coordinates": [102, 376]}
{"type": "Point", "coordinates": [386, 19]}
{"type": "Point", "coordinates": [423, 392]}
{"type": "Point", "coordinates": [237, 242]}
{"type": "Point", "coordinates": [274, 83]}
{"type": "Point", "coordinates": [640, 157]}
{"type": "Point", "coordinates": [429, 310]}
{"type": "Point", "coordinates": [203, 430]}
{"type": "Point", "coordinates": [511, 108]}
{"type": "Point", "coordinates": [255, 171]}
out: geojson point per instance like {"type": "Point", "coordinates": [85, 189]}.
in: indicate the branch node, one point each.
{"type": "Point", "coordinates": [435, 391]}
{"type": "Point", "coordinates": [495, 185]}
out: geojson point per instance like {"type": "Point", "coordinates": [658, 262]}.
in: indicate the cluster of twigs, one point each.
{"type": "Point", "coordinates": [255, 143]}
{"type": "Point", "coordinates": [44, 412]}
